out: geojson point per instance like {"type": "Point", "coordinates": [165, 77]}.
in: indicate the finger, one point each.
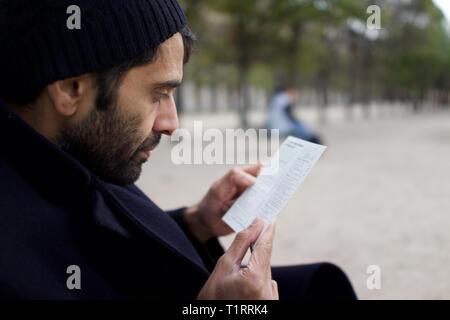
{"type": "Point", "coordinates": [275, 290]}
{"type": "Point", "coordinates": [254, 169]}
{"type": "Point", "coordinates": [242, 241]}
{"type": "Point", "coordinates": [262, 251]}
{"type": "Point", "coordinates": [232, 185]}
{"type": "Point", "coordinates": [228, 198]}
{"type": "Point", "coordinates": [241, 179]}
{"type": "Point", "coordinates": [229, 203]}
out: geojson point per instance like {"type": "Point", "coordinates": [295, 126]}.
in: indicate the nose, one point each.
{"type": "Point", "coordinates": [166, 121]}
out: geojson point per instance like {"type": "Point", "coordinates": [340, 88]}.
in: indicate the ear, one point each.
{"type": "Point", "coordinates": [67, 94]}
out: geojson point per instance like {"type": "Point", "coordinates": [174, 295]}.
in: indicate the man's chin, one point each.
{"type": "Point", "coordinates": [125, 177]}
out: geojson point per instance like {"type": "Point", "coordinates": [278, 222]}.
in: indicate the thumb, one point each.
{"type": "Point", "coordinates": [243, 240]}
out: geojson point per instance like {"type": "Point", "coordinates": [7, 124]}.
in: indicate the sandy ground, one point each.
{"type": "Point", "coordinates": [380, 195]}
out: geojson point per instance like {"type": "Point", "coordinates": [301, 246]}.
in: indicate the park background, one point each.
{"type": "Point", "coordinates": [380, 195]}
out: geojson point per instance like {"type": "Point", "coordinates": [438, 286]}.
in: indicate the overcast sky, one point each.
{"type": "Point", "coordinates": [444, 5]}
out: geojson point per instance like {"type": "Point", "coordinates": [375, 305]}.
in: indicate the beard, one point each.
{"type": "Point", "coordinates": [109, 144]}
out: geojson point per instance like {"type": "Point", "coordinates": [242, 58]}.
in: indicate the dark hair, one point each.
{"type": "Point", "coordinates": [109, 80]}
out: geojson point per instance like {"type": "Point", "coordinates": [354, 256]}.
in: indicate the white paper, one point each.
{"type": "Point", "coordinates": [272, 189]}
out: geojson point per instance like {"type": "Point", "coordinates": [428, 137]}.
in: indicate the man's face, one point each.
{"type": "Point", "coordinates": [293, 94]}
{"type": "Point", "coordinates": [114, 143]}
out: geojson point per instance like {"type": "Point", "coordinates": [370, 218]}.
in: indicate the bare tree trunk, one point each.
{"type": "Point", "coordinates": [322, 94]}
{"type": "Point", "coordinates": [243, 101]}
{"type": "Point", "coordinates": [214, 106]}
{"type": "Point", "coordinates": [198, 98]}
{"type": "Point", "coordinates": [418, 101]}
{"type": "Point", "coordinates": [243, 65]}
{"type": "Point", "coordinates": [367, 78]}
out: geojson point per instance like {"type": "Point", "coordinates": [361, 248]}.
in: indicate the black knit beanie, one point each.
{"type": "Point", "coordinates": [38, 48]}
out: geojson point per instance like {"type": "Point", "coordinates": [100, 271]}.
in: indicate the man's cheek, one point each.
{"type": "Point", "coordinates": [147, 126]}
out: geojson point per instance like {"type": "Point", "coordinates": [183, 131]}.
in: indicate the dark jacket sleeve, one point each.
{"type": "Point", "coordinates": [209, 251]}
{"type": "Point", "coordinates": [290, 113]}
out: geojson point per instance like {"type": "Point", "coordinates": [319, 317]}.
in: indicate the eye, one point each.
{"type": "Point", "coordinates": [163, 95]}
{"type": "Point", "coordinates": [158, 96]}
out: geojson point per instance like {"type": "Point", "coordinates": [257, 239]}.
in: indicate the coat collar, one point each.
{"type": "Point", "coordinates": [145, 214]}
{"type": "Point", "coordinates": [49, 169]}
{"type": "Point", "coordinates": [62, 178]}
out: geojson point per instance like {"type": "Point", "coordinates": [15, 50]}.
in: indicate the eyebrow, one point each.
{"type": "Point", "coordinates": [168, 84]}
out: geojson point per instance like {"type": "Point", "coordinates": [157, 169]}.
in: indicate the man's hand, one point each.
{"type": "Point", "coordinates": [204, 219]}
{"type": "Point", "coordinates": [229, 281]}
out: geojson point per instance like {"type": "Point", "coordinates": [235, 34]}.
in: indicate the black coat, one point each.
{"type": "Point", "coordinates": [55, 213]}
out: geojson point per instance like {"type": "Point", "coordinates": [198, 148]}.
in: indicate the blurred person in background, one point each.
{"type": "Point", "coordinates": [281, 115]}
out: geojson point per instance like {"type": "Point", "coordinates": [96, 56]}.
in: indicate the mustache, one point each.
{"type": "Point", "coordinates": [150, 142]}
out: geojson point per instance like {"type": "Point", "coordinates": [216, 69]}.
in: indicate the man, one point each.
{"type": "Point", "coordinates": [81, 111]}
